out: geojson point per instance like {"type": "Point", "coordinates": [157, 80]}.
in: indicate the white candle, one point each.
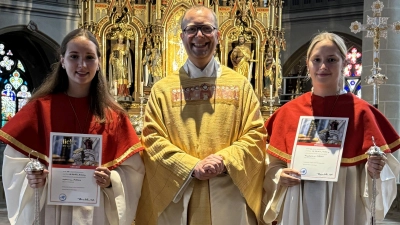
{"type": "Point", "coordinates": [280, 19]}
{"type": "Point", "coordinates": [273, 17]}
{"type": "Point", "coordinates": [270, 90]}
{"type": "Point", "coordinates": [90, 5]}
{"type": "Point", "coordinates": [82, 14]}
{"type": "Point", "coordinates": [94, 11]}
{"type": "Point", "coordinates": [141, 88]}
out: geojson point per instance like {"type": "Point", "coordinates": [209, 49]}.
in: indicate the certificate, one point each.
{"type": "Point", "coordinates": [318, 147]}
{"type": "Point", "coordinates": [73, 160]}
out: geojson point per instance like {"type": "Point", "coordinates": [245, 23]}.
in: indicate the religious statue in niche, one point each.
{"type": "Point", "coordinates": [156, 64]}
{"type": "Point", "coordinates": [147, 68]}
{"type": "Point", "coordinates": [272, 75]}
{"type": "Point", "coordinates": [152, 62]}
{"type": "Point", "coordinates": [120, 69]}
{"type": "Point", "coordinates": [269, 76]}
{"type": "Point", "coordinates": [277, 74]}
{"type": "Point", "coordinates": [242, 58]}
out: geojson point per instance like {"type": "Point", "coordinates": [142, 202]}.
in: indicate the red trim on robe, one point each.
{"type": "Point", "coordinates": [365, 121]}
{"type": "Point", "coordinates": [30, 128]}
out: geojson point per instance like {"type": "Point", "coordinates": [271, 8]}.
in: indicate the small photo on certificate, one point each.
{"type": "Point", "coordinates": [318, 147]}
{"type": "Point", "coordinates": [75, 150]}
{"type": "Point", "coordinates": [73, 160]}
{"type": "Point", "coordinates": [321, 131]}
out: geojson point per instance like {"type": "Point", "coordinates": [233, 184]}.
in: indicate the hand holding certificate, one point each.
{"type": "Point", "coordinates": [318, 147]}
{"type": "Point", "coordinates": [73, 161]}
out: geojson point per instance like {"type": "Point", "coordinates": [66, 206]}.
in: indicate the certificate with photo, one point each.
{"type": "Point", "coordinates": [73, 160]}
{"type": "Point", "coordinates": [318, 147]}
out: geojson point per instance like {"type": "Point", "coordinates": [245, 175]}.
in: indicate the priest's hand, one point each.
{"type": "Point", "coordinates": [103, 177]}
{"type": "Point", "coordinates": [375, 165]}
{"type": "Point", "coordinates": [37, 179]}
{"type": "Point", "coordinates": [209, 167]}
{"type": "Point", "coordinates": [289, 177]}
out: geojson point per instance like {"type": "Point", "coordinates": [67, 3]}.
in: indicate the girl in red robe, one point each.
{"type": "Point", "coordinates": [292, 201]}
{"type": "Point", "coordinates": [73, 99]}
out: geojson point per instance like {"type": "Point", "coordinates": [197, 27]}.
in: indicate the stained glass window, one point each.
{"type": "Point", "coordinates": [352, 73]}
{"type": "Point", "coordinates": [13, 85]}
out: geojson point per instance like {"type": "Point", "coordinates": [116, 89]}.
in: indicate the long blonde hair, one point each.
{"type": "Point", "coordinates": [338, 41]}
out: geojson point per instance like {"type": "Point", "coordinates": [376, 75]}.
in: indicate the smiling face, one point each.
{"type": "Point", "coordinates": [199, 47]}
{"type": "Point", "coordinates": [81, 64]}
{"type": "Point", "coordinates": [325, 65]}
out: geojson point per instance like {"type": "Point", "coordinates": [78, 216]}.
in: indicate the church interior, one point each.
{"type": "Point", "coordinates": [140, 44]}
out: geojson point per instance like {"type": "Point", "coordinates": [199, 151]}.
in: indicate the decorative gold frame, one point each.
{"type": "Point", "coordinates": [143, 24]}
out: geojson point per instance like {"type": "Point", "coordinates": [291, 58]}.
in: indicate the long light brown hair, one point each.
{"type": "Point", "coordinates": [100, 99]}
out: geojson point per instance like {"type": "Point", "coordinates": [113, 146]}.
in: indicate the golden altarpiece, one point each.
{"type": "Point", "coordinates": [140, 43]}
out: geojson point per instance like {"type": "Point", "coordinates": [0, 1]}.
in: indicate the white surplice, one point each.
{"type": "Point", "coordinates": [227, 204]}
{"type": "Point", "coordinates": [345, 202]}
{"type": "Point", "coordinates": [118, 203]}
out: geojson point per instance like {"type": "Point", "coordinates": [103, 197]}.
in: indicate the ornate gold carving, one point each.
{"type": "Point", "coordinates": [156, 26]}
{"type": "Point", "coordinates": [176, 54]}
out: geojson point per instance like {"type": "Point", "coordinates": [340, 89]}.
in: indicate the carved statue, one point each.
{"type": "Point", "coordinates": [277, 70]}
{"type": "Point", "coordinates": [156, 64]}
{"type": "Point", "coordinates": [120, 70]}
{"type": "Point", "coordinates": [241, 57]}
{"type": "Point", "coordinates": [272, 74]}
{"type": "Point", "coordinates": [268, 71]}
{"type": "Point", "coordinates": [147, 68]}
{"type": "Point", "coordinates": [152, 62]}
